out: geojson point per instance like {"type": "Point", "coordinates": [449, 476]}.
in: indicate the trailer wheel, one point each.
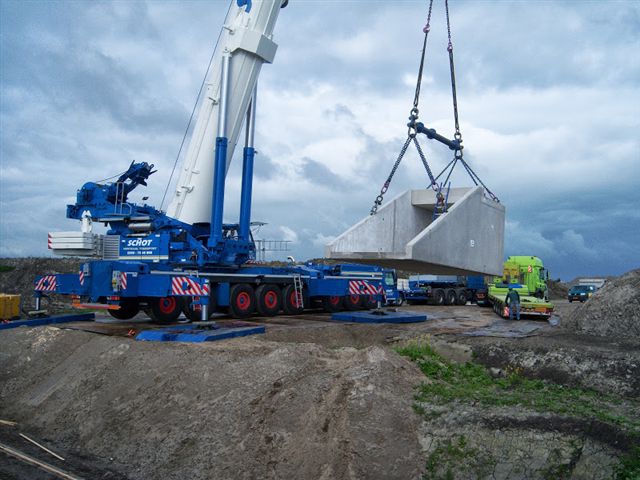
{"type": "Point", "coordinates": [165, 309]}
{"type": "Point", "coordinates": [289, 301]}
{"type": "Point", "coordinates": [352, 302]}
{"type": "Point", "coordinates": [462, 297]}
{"type": "Point", "coordinates": [242, 300]}
{"type": "Point", "coordinates": [451, 298]}
{"type": "Point", "coordinates": [438, 296]}
{"type": "Point", "coordinates": [129, 308]}
{"type": "Point", "coordinates": [269, 298]}
{"type": "Point", "coordinates": [332, 304]}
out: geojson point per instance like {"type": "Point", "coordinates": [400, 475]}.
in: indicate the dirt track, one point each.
{"type": "Point", "coordinates": [309, 399]}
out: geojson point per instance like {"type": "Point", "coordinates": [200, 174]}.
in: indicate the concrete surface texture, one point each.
{"type": "Point", "coordinates": [469, 238]}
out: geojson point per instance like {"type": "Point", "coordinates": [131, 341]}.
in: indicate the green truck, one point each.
{"type": "Point", "coordinates": [526, 275]}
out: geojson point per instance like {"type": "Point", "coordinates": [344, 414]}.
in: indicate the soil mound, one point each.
{"type": "Point", "coordinates": [557, 289]}
{"type": "Point", "coordinates": [613, 311]}
{"type": "Point", "coordinates": [240, 409]}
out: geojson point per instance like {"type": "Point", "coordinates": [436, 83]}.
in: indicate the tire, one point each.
{"type": "Point", "coordinates": [289, 304]}
{"type": "Point", "coordinates": [165, 309]}
{"type": "Point", "coordinates": [451, 298]}
{"type": "Point", "coordinates": [352, 302]}
{"type": "Point", "coordinates": [269, 299]}
{"type": "Point", "coordinates": [400, 301]}
{"type": "Point", "coordinates": [368, 302]}
{"type": "Point", "coordinates": [438, 296]}
{"type": "Point", "coordinates": [242, 300]}
{"type": "Point", "coordinates": [570, 301]}
{"type": "Point", "coordinates": [461, 297]}
{"type": "Point", "coordinates": [129, 308]}
{"type": "Point", "coordinates": [195, 315]}
{"type": "Point", "coordinates": [332, 304]}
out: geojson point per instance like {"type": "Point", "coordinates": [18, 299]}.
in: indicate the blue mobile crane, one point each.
{"type": "Point", "coordinates": [187, 259]}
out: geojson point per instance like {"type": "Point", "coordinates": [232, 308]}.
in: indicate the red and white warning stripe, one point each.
{"type": "Point", "coordinates": [49, 241]}
{"type": "Point", "coordinates": [362, 287]}
{"type": "Point", "coordinates": [81, 276]}
{"type": "Point", "coordinates": [188, 286]}
{"type": "Point", "coordinates": [383, 292]}
{"type": "Point", "coordinates": [48, 283]}
{"type": "Point", "coordinates": [123, 280]}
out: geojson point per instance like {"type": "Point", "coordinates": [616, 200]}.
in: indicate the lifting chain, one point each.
{"type": "Point", "coordinates": [378, 201]}
{"type": "Point", "coordinates": [413, 114]}
{"type": "Point", "coordinates": [413, 117]}
{"type": "Point", "coordinates": [425, 163]}
{"type": "Point", "coordinates": [457, 135]}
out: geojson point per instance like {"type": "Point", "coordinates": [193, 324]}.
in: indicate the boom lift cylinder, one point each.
{"type": "Point", "coordinates": [221, 158]}
{"type": "Point", "coordinates": [247, 172]}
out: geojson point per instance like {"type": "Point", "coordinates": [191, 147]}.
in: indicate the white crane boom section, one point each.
{"type": "Point", "coordinates": [247, 38]}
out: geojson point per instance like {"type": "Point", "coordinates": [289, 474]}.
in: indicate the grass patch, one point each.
{"type": "Point", "coordinates": [472, 383]}
{"type": "Point", "coordinates": [629, 467]}
{"type": "Point", "coordinates": [6, 268]}
{"type": "Point", "coordinates": [453, 459]}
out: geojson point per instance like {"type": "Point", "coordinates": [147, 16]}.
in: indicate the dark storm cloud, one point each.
{"type": "Point", "coordinates": [72, 76]}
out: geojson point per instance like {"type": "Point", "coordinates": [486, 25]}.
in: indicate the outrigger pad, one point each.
{"type": "Point", "coordinates": [380, 317]}
{"type": "Point", "coordinates": [197, 334]}
{"type": "Point", "coordinates": [405, 234]}
{"type": "Point", "coordinates": [37, 322]}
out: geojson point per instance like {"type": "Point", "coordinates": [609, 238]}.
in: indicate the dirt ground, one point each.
{"type": "Point", "coordinates": [311, 398]}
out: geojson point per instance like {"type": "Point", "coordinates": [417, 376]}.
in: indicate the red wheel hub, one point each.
{"type": "Point", "coordinates": [243, 301]}
{"type": "Point", "coordinates": [167, 305]}
{"type": "Point", "coordinates": [334, 300]}
{"type": "Point", "coordinates": [354, 299]}
{"type": "Point", "coordinates": [271, 299]}
{"type": "Point", "coordinates": [293, 299]}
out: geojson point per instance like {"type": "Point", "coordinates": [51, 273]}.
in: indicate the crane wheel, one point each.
{"type": "Point", "coordinates": [332, 303]}
{"type": "Point", "coordinates": [269, 299]}
{"type": "Point", "coordinates": [290, 304]}
{"type": "Point", "coordinates": [368, 302]}
{"type": "Point", "coordinates": [165, 309]}
{"type": "Point", "coordinates": [242, 300]}
{"type": "Point", "coordinates": [352, 302]}
{"type": "Point", "coordinates": [129, 308]}
{"type": "Point", "coordinates": [438, 296]}
{"type": "Point", "coordinates": [194, 312]}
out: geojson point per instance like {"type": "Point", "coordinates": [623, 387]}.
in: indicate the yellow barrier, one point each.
{"type": "Point", "coordinates": [9, 306]}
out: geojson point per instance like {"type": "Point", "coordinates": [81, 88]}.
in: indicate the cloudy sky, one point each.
{"type": "Point", "coordinates": [549, 98]}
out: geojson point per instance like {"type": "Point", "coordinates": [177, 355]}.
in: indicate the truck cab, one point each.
{"type": "Point", "coordinates": [392, 294]}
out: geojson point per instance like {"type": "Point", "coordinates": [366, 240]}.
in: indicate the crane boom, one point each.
{"type": "Point", "coordinates": [247, 39]}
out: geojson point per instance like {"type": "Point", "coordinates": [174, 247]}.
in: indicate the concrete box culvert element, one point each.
{"type": "Point", "coordinates": [468, 239]}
